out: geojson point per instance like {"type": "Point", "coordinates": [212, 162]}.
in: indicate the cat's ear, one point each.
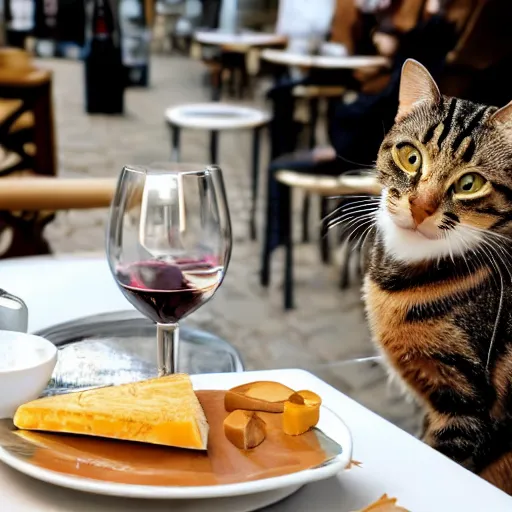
{"type": "Point", "coordinates": [503, 117]}
{"type": "Point", "coordinates": [416, 86]}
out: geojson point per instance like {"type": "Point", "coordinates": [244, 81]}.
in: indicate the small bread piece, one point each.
{"type": "Point", "coordinates": [264, 396]}
{"type": "Point", "coordinates": [301, 412]}
{"type": "Point", "coordinates": [244, 429]}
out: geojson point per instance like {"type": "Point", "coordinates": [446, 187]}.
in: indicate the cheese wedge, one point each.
{"type": "Point", "coordinates": [162, 411]}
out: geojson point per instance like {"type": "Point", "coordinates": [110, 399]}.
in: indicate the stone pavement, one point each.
{"type": "Point", "coordinates": [328, 325]}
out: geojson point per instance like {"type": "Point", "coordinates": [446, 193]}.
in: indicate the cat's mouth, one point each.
{"type": "Point", "coordinates": [400, 220]}
{"type": "Point", "coordinates": [416, 230]}
{"type": "Point", "coordinates": [407, 225]}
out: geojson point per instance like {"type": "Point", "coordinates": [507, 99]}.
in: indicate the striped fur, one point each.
{"type": "Point", "coordinates": [438, 291]}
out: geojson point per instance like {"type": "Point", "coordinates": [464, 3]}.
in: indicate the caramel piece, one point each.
{"type": "Point", "coordinates": [353, 463]}
{"type": "Point", "coordinates": [384, 504]}
{"type": "Point", "coordinates": [296, 399]}
{"type": "Point", "coordinates": [301, 412]}
{"type": "Point", "coordinates": [264, 396]}
{"type": "Point", "coordinates": [244, 429]}
{"type": "Point", "coordinates": [310, 398]}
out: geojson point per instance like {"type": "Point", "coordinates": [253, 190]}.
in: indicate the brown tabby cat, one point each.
{"type": "Point", "coordinates": [439, 289]}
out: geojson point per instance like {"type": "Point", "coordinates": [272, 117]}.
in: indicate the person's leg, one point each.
{"type": "Point", "coordinates": [283, 129]}
{"type": "Point", "coordinates": [356, 131]}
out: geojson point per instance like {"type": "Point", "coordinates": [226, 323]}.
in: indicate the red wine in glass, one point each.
{"type": "Point", "coordinates": [165, 291]}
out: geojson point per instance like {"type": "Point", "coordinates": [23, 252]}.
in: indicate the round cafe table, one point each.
{"type": "Point", "coordinates": [63, 288]}
{"type": "Point", "coordinates": [239, 41]}
{"type": "Point", "coordinates": [327, 62]}
{"type": "Point", "coordinates": [238, 51]}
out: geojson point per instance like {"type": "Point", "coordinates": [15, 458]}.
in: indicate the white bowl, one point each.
{"type": "Point", "coordinates": [26, 366]}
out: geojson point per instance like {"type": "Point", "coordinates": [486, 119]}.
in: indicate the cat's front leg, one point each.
{"type": "Point", "coordinates": [459, 437]}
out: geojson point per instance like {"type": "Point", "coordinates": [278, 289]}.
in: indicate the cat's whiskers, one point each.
{"type": "Point", "coordinates": [497, 240]}
{"type": "Point", "coordinates": [449, 248]}
{"type": "Point", "coordinates": [498, 314]}
{"type": "Point", "coordinates": [485, 237]}
{"type": "Point", "coordinates": [351, 205]}
{"type": "Point", "coordinates": [353, 221]}
{"type": "Point", "coordinates": [481, 243]}
{"type": "Point", "coordinates": [489, 245]}
{"type": "Point", "coordinates": [357, 207]}
{"type": "Point", "coordinates": [492, 262]}
{"type": "Point", "coordinates": [496, 323]}
{"type": "Point", "coordinates": [354, 212]}
{"type": "Point", "coordinates": [480, 250]}
{"type": "Point", "coordinates": [366, 234]}
{"type": "Point", "coordinates": [350, 215]}
{"type": "Point", "coordinates": [361, 171]}
{"type": "Point", "coordinates": [492, 248]}
{"type": "Point", "coordinates": [365, 223]}
{"type": "Point", "coordinates": [490, 233]}
{"type": "Point", "coordinates": [363, 240]}
{"type": "Point", "coordinates": [462, 253]}
{"type": "Point", "coordinates": [467, 248]}
{"type": "Point", "coordinates": [363, 166]}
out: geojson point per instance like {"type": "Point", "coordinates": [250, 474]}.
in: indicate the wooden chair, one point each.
{"type": "Point", "coordinates": [34, 194]}
{"type": "Point", "coordinates": [27, 144]}
{"type": "Point", "coordinates": [29, 203]}
{"type": "Point", "coordinates": [28, 130]}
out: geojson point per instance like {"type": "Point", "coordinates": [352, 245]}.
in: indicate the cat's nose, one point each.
{"type": "Point", "coordinates": [420, 210]}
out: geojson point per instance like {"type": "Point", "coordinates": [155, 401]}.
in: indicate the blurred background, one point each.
{"type": "Point", "coordinates": [290, 97]}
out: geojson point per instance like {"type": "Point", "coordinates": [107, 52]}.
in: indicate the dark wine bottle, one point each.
{"type": "Point", "coordinates": [104, 71]}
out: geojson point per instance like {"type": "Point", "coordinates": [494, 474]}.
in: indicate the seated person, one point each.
{"type": "Point", "coordinates": [356, 129]}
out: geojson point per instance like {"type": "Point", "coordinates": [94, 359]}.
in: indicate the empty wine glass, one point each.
{"type": "Point", "coordinates": [169, 244]}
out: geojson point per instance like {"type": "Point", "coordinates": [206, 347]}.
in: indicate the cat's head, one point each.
{"type": "Point", "coordinates": [446, 168]}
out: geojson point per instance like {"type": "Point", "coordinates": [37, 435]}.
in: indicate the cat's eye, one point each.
{"type": "Point", "coordinates": [469, 183]}
{"type": "Point", "coordinates": [407, 157]}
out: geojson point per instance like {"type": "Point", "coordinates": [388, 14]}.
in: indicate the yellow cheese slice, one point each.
{"type": "Point", "coordinates": [161, 411]}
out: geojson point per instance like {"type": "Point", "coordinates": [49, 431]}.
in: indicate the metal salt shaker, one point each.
{"type": "Point", "coordinates": [13, 313]}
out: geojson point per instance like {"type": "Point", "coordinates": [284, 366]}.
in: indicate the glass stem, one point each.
{"type": "Point", "coordinates": [168, 339]}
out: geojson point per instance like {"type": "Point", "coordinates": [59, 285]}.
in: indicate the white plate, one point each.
{"type": "Point", "coordinates": [329, 423]}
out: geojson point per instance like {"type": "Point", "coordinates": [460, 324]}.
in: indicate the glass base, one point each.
{"type": "Point", "coordinates": [116, 348]}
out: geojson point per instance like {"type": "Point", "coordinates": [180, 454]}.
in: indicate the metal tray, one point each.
{"type": "Point", "coordinates": [116, 348]}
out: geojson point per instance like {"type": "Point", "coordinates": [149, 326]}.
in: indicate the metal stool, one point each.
{"type": "Point", "coordinates": [216, 117]}
{"type": "Point", "coordinates": [325, 186]}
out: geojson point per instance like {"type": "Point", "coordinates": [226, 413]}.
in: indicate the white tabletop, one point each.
{"type": "Point", "coordinates": [57, 289]}
{"type": "Point", "coordinates": [65, 288]}
{"type": "Point", "coordinates": [216, 116]}
{"type": "Point", "coordinates": [287, 58]}
{"type": "Point", "coordinates": [247, 39]}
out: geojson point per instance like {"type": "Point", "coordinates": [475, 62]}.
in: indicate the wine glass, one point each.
{"type": "Point", "coordinates": [169, 244]}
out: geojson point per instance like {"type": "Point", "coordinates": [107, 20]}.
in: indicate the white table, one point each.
{"type": "Point", "coordinates": [242, 41]}
{"type": "Point", "coordinates": [57, 289]}
{"type": "Point", "coordinates": [65, 288]}
{"type": "Point", "coordinates": [287, 58]}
